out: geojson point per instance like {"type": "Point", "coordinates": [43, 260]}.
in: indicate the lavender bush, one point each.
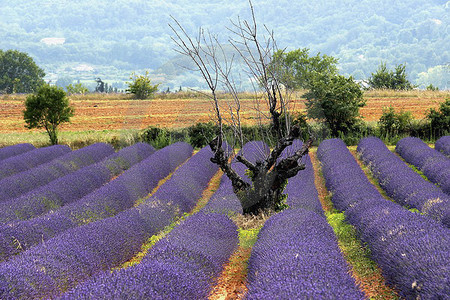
{"type": "Point", "coordinates": [296, 256]}
{"type": "Point", "coordinates": [411, 249]}
{"type": "Point", "coordinates": [301, 190]}
{"type": "Point", "coordinates": [18, 184]}
{"type": "Point", "coordinates": [181, 266]}
{"type": "Point", "coordinates": [434, 165]}
{"type": "Point", "coordinates": [401, 183]}
{"type": "Point", "coordinates": [30, 159]}
{"type": "Point", "coordinates": [94, 206]}
{"type": "Point", "coordinates": [70, 187]}
{"type": "Point", "coordinates": [443, 145]}
{"type": "Point", "coordinates": [14, 150]}
{"type": "Point", "coordinates": [81, 252]}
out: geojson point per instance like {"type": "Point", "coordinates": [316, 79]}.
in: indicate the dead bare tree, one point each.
{"type": "Point", "coordinates": [270, 175]}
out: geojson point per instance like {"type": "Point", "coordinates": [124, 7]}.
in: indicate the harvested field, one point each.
{"type": "Point", "coordinates": [123, 113]}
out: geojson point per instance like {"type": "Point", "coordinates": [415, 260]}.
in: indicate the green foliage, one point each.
{"type": "Point", "coordinates": [201, 133]}
{"type": "Point", "coordinates": [298, 119]}
{"type": "Point", "coordinates": [157, 137]}
{"type": "Point", "coordinates": [47, 108]}
{"type": "Point", "coordinates": [297, 69]}
{"type": "Point", "coordinates": [440, 119]}
{"type": "Point", "coordinates": [394, 80]}
{"type": "Point", "coordinates": [392, 123]}
{"type": "Point", "coordinates": [77, 88]}
{"type": "Point", "coordinates": [400, 31]}
{"type": "Point", "coordinates": [335, 100]}
{"type": "Point", "coordinates": [431, 87]}
{"type": "Point", "coordinates": [141, 86]}
{"type": "Point", "coordinates": [19, 73]}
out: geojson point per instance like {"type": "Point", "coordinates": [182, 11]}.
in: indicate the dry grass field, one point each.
{"type": "Point", "coordinates": [113, 112]}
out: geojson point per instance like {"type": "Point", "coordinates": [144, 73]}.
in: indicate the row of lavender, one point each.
{"type": "Point", "coordinates": [434, 165]}
{"type": "Point", "coordinates": [411, 249]}
{"type": "Point", "coordinates": [296, 255]}
{"type": "Point", "coordinates": [10, 151]}
{"type": "Point", "coordinates": [185, 264]}
{"type": "Point", "coordinates": [73, 186]}
{"type": "Point", "coordinates": [99, 201]}
{"type": "Point", "coordinates": [75, 255]}
{"type": "Point", "coordinates": [443, 145]}
{"type": "Point", "coordinates": [20, 183]}
{"type": "Point", "coordinates": [401, 183]}
{"type": "Point", "coordinates": [30, 159]}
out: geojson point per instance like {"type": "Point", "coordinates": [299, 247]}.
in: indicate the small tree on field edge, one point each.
{"type": "Point", "coordinates": [394, 80]}
{"type": "Point", "coordinates": [335, 100]}
{"type": "Point", "coordinates": [141, 86]}
{"type": "Point", "coordinates": [47, 108]}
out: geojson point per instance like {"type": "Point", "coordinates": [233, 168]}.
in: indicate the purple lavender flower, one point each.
{"type": "Point", "coordinates": [434, 165]}
{"type": "Point", "coordinates": [81, 252]}
{"type": "Point", "coordinates": [301, 189]}
{"type": "Point", "coordinates": [296, 256]}
{"type": "Point", "coordinates": [31, 159]}
{"type": "Point", "coordinates": [411, 249]}
{"type": "Point", "coordinates": [181, 266]}
{"type": "Point", "coordinates": [443, 145]}
{"type": "Point", "coordinates": [70, 187]}
{"type": "Point", "coordinates": [19, 236]}
{"type": "Point", "coordinates": [20, 183]}
{"type": "Point", "coordinates": [14, 150]}
{"type": "Point", "coordinates": [403, 184]}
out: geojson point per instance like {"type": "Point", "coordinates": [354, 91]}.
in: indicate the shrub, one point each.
{"type": "Point", "coordinates": [432, 88]}
{"type": "Point", "coordinates": [201, 133]}
{"type": "Point", "coordinates": [440, 119]}
{"type": "Point", "coordinates": [385, 79]}
{"type": "Point", "coordinates": [335, 100]}
{"type": "Point", "coordinates": [157, 137]}
{"type": "Point", "coordinates": [141, 86]}
{"type": "Point", "coordinates": [392, 123]}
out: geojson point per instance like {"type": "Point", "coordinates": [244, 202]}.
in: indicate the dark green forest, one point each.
{"type": "Point", "coordinates": [111, 39]}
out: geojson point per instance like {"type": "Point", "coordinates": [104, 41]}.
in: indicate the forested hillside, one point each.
{"type": "Point", "coordinates": [110, 39]}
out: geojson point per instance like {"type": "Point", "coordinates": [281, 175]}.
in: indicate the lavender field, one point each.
{"type": "Point", "coordinates": [142, 223]}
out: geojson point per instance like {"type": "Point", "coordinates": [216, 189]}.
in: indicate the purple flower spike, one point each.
{"type": "Point", "coordinates": [296, 256]}
{"type": "Point", "coordinates": [443, 145]}
{"type": "Point", "coordinates": [434, 165]}
{"type": "Point", "coordinates": [401, 183]}
{"type": "Point", "coordinates": [81, 252]}
{"type": "Point", "coordinates": [31, 159]}
{"type": "Point", "coordinates": [18, 184]}
{"type": "Point", "coordinates": [181, 266]}
{"type": "Point", "coordinates": [411, 249]}
{"type": "Point", "coordinates": [14, 150]}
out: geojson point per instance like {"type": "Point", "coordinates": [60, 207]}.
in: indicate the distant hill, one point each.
{"type": "Point", "coordinates": [81, 40]}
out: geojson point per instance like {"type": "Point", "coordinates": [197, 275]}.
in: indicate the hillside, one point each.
{"type": "Point", "coordinates": [109, 39]}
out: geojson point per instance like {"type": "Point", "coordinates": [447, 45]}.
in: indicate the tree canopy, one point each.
{"type": "Point", "coordinates": [47, 108]}
{"type": "Point", "coordinates": [19, 73]}
{"type": "Point", "coordinates": [386, 79]}
{"type": "Point", "coordinates": [297, 68]}
{"type": "Point", "coordinates": [335, 100]}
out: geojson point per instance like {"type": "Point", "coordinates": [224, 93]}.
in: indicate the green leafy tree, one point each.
{"type": "Point", "coordinates": [335, 100]}
{"type": "Point", "coordinates": [47, 108]}
{"type": "Point", "coordinates": [19, 73]}
{"type": "Point", "coordinates": [392, 123]}
{"type": "Point", "coordinates": [388, 79]}
{"type": "Point", "coordinates": [296, 69]}
{"type": "Point", "coordinates": [141, 86]}
{"type": "Point", "coordinates": [77, 88]}
{"type": "Point", "coordinates": [440, 119]}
